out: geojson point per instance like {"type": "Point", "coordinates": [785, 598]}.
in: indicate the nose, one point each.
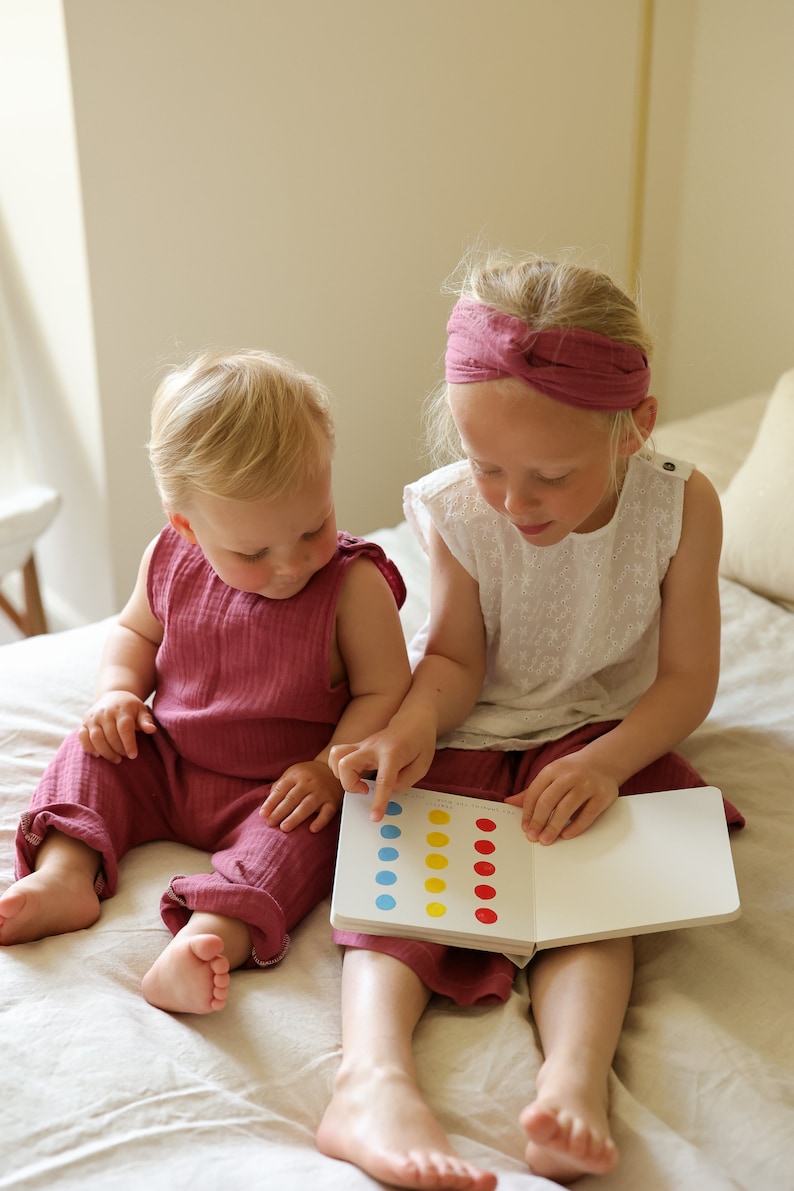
{"type": "Point", "coordinates": [288, 565]}
{"type": "Point", "coordinates": [520, 499]}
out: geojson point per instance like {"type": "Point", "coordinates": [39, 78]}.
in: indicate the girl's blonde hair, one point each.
{"type": "Point", "coordinates": [546, 294]}
{"type": "Point", "coordinates": [244, 425]}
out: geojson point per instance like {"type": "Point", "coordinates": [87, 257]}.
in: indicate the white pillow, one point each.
{"type": "Point", "coordinates": [758, 505]}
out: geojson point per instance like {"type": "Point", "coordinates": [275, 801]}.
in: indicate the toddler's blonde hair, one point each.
{"type": "Point", "coordinates": [244, 425]}
{"type": "Point", "coordinates": [546, 293]}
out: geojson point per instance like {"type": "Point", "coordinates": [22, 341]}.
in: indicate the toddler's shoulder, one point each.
{"type": "Point", "coordinates": [365, 565]}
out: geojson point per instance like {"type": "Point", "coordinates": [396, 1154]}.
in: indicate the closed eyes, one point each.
{"type": "Point", "coordinates": [307, 537]}
{"type": "Point", "coordinates": [485, 472]}
{"type": "Point", "coordinates": [480, 470]}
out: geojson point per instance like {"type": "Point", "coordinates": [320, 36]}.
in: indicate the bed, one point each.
{"type": "Point", "coordinates": [101, 1092]}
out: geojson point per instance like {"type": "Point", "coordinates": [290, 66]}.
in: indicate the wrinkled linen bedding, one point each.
{"type": "Point", "coordinates": [101, 1092]}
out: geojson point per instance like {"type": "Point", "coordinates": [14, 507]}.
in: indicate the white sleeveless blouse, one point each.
{"type": "Point", "coordinates": [573, 629]}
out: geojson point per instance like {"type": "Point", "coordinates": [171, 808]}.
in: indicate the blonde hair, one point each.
{"type": "Point", "coordinates": [244, 425]}
{"type": "Point", "coordinates": [546, 294]}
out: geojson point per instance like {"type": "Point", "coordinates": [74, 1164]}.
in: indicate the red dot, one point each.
{"type": "Point", "coordinates": [485, 915]}
{"type": "Point", "coordinates": [484, 847]}
{"type": "Point", "coordinates": [484, 868]}
{"type": "Point", "coordinates": [486, 892]}
{"type": "Point", "coordinates": [486, 825]}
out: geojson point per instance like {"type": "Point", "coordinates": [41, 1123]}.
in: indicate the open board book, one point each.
{"type": "Point", "coordinates": [460, 871]}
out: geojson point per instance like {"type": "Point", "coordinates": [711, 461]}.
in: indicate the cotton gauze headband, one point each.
{"type": "Point", "coordinates": [577, 367]}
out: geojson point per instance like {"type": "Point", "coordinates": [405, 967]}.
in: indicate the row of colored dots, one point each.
{"type": "Point", "coordinates": [485, 868]}
{"type": "Point", "coordinates": [388, 854]}
{"type": "Point", "coordinates": [437, 861]}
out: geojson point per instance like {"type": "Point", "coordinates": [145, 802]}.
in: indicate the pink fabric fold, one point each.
{"type": "Point", "coordinates": [580, 368]}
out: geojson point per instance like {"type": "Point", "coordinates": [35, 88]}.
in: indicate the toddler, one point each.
{"type": "Point", "coordinates": [266, 637]}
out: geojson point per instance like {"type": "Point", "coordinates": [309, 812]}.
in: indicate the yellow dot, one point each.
{"type": "Point", "coordinates": [438, 817]}
{"type": "Point", "coordinates": [435, 909]}
{"type": "Point", "coordinates": [437, 839]}
{"type": "Point", "coordinates": [435, 885]}
{"type": "Point", "coordinates": [434, 860]}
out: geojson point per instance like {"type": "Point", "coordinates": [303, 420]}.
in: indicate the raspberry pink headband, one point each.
{"type": "Point", "coordinates": [577, 367]}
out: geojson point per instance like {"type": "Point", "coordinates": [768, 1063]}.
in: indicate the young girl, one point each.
{"type": "Point", "coordinates": [573, 641]}
{"type": "Point", "coordinates": [266, 636]}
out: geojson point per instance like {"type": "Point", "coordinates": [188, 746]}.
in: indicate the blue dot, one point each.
{"type": "Point", "coordinates": [388, 854]}
{"type": "Point", "coordinates": [393, 808]}
{"type": "Point", "coordinates": [385, 877]}
{"type": "Point", "coordinates": [389, 832]}
{"type": "Point", "coordinates": [385, 902]}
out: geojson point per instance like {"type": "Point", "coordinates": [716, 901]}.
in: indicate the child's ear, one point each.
{"type": "Point", "coordinates": [182, 527]}
{"type": "Point", "coordinates": [644, 416]}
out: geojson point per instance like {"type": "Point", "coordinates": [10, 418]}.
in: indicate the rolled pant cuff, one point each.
{"type": "Point", "coordinates": [79, 823]}
{"type": "Point", "coordinates": [256, 908]}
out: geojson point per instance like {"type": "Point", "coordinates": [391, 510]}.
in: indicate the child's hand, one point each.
{"type": "Point", "coordinates": [306, 789]}
{"type": "Point", "coordinates": [564, 799]}
{"type": "Point", "coordinates": [109, 727]}
{"type": "Point", "coordinates": [396, 760]}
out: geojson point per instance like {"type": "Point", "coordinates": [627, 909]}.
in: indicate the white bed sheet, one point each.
{"type": "Point", "coordinates": [101, 1092]}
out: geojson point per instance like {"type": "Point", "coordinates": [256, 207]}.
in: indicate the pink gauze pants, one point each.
{"type": "Point", "coordinates": [265, 877]}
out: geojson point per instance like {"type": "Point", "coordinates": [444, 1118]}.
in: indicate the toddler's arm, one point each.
{"type": "Point", "coordinates": [581, 786]}
{"type": "Point", "coordinates": [371, 647]}
{"type": "Point", "coordinates": [444, 689]}
{"type": "Point", "coordinates": [126, 678]}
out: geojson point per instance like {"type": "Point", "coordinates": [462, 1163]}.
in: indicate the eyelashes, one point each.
{"type": "Point", "coordinates": [307, 537]}
{"type": "Point", "coordinates": [549, 481]}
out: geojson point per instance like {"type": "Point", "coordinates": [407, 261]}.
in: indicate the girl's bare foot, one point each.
{"type": "Point", "coordinates": [191, 975]}
{"type": "Point", "coordinates": [378, 1121]}
{"type": "Point", "coordinates": [54, 901]}
{"type": "Point", "coordinates": [568, 1132]}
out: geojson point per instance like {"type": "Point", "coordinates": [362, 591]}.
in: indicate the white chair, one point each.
{"type": "Point", "coordinates": [24, 515]}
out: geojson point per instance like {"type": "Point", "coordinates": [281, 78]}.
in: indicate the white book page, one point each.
{"type": "Point", "coordinates": [650, 862]}
{"type": "Point", "coordinates": [436, 861]}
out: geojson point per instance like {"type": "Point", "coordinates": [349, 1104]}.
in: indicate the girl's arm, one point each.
{"type": "Point", "coordinates": [445, 687]}
{"type": "Point", "coordinates": [126, 678]}
{"type": "Point", "coordinates": [679, 699]}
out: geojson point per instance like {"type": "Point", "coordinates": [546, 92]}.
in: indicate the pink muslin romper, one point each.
{"type": "Point", "coordinates": [242, 692]}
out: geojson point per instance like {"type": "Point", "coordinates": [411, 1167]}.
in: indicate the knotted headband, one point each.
{"type": "Point", "coordinates": [577, 367]}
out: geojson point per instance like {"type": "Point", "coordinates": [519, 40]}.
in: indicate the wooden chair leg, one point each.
{"type": "Point", "coordinates": [31, 620]}
{"type": "Point", "coordinates": [11, 613]}
{"type": "Point", "coordinates": [36, 620]}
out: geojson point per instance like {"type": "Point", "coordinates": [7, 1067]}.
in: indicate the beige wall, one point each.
{"type": "Point", "coordinates": [44, 287]}
{"type": "Point", "coordinates": [732, 301]}
{"type": "Point", "coordinates": [303, 176]}
{"type": "Point", "coordinates": [718, 253]}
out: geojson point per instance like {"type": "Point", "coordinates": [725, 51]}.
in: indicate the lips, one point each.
{"type": "Point", "coordinates": [532, 531]}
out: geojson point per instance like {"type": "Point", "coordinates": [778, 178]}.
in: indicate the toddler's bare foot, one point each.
{"type": "Point", "coordinates": [568, 1132]}
{"type": "Point", "coordinates": [46, 903]}
{"type": "Point", "coordinates": [191, 975]}
{"type": "Point", "coordinates": [378, 1121]}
